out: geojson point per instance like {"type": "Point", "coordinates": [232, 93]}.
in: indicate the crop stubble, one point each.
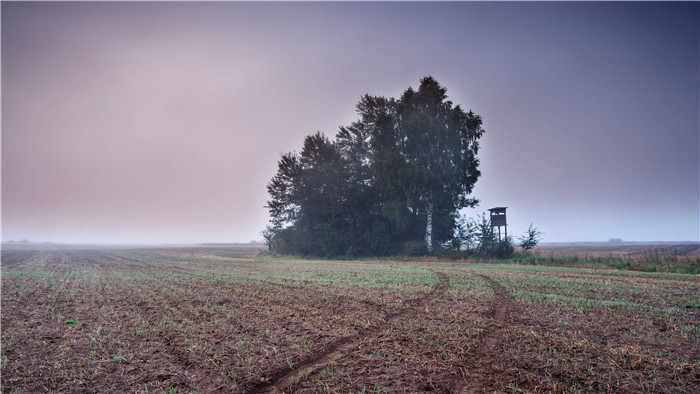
{"type": "Point", "coordinates": [213, 319]}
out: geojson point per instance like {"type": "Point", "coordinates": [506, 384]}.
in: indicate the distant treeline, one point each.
{"type": "Point", "coordinates": [390, 183]}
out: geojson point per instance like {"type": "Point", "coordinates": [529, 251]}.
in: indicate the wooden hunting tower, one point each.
{"type": "Point", "coordinates": [498, 219]}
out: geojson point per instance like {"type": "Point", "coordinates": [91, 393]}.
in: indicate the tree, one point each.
{"type": "Point", "coordinates": [395, 177]}
{"type": "Point", "coordinates": [431, 150]}
{"type": "Point", "coordinates": [466, 234]}
{"type": "Point", "coordinates": [531, 239]}
{"type": "Point", "coordinates": [487, 240]}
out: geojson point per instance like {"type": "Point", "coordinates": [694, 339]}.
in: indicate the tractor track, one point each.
{"type": "Point", "coordinates": [283, 378]}
{"type": "Point", "coordinates": [476, 368]}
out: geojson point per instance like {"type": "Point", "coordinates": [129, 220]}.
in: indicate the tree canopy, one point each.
{"type": "Point", "coordinates": [391, 182]}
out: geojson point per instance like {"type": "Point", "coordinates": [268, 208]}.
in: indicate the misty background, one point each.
{"type": "Point", "coordinates": [163, 122]}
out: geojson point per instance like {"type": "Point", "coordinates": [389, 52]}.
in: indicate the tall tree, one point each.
{"type": "Point", "coordinates": [395, 177]}
{"type": "Point", "coordinates": [428, 157]}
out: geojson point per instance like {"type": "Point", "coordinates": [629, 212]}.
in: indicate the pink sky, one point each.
{"type": "Point", "coordinates": [163, 122]}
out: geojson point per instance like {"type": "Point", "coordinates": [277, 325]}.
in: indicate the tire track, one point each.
{"type": "Point", "coordinates": [283, 377]}
{"type": "Point", "coordinates": [477, 368]}
{"type": "Point", "coordinates": [503, 300]}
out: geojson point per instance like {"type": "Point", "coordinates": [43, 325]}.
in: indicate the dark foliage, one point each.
{"type": "Point", "coordinates": [390, 183]}
{"type": "Point", "coordinates": [531, 239]}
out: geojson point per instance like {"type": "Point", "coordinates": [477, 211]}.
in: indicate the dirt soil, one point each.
{"type": "Point", "coordinates": [219, 320]}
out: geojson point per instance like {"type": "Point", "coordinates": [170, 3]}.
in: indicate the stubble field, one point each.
{"type": "Point", "coordinates": [223, 319]}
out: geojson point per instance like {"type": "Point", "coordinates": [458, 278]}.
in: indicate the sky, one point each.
{"type": "Point", "coordinates": [163, 122]}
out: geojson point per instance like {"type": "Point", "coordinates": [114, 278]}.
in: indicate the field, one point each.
{"type": "Point", "coordinates": [628, 250]}
{"type": "Point", "coordinates": [182, 320]}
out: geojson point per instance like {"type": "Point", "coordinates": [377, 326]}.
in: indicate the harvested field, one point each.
{"type": "Point", "coordinates": [220, 320]}
{"type": "Point", "coordinates": [630, 250]}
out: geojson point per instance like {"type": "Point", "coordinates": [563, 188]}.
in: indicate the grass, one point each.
{"type": "Point", "coordinates": [653, 261]}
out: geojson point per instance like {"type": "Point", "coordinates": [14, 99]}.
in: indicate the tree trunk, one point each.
{"type": "Point", "coordinates": [429, 225]}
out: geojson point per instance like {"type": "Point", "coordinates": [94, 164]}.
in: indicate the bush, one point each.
{"type": "Point", "coordinates": [414, 248]}
{"type": "Point", "coordinates": [530, 240]}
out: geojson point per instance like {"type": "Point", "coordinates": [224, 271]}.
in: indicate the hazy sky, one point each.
{"type": "Point", "coordinates": [163, 122]}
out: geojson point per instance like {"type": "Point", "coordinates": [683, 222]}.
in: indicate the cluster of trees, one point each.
{"type": "Point", "coordinates": [392, 182]}
{"type": "Point", "coordinates": [477, 237]}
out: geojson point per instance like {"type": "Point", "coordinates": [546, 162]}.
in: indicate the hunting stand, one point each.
{"type": "Point", "coordinates": [498, 219]}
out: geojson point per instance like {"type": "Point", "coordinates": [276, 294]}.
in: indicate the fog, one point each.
{"type": "Point", "coordinates": [163, 122]}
